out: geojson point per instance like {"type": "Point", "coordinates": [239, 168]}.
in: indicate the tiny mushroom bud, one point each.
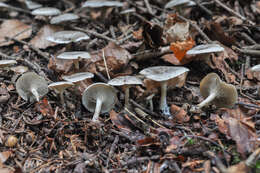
{"type": "Point", "coordinates": [75, 56]}
{"type": "Point", "coordinates": [60, 87]}
{"type": "Point", "coordinates": [126, 82]}
{"type": "Point", "coordinates": [217, 92]}
{"type": "Point", "coordinates": [46, 11]}
{"type": "Point", "coordinates": [31, 86]}
{"type": "Point", "coordinates": [67, 17]}
{"type": "Point", "coordinates": [65, 37]}
{"type": "Point", "coordinates": [6, 63]}
{"type": "Point", "coordinates": [163, 74]}
{"type": "Point", "coordinates": [99, 98]}
{"type": "Point", "coordinates": [11, 141]}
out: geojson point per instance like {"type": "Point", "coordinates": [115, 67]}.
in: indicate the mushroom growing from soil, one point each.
{"type": "Point", "coordinates": [77, 77]}
{"type": "Point", "coordinates": [31, 86]}
{"type": "Point", "coordinates": [6, 63]}
{"type": "Point", "coordinates": [163, 74]}
{"type": "Point", "coordinates": [65, 37]}
{"type": "Point", "coordinates": [75, 56]}
{"type": "Point", "coordinates": [60, 87]}
{"type": "Point", "coordinates": [99, 98]}
{"type": "Point", "coordinates": [126, 82]}
{"type": "Point", "coordinates": [67, 17]}
{"type": "Point", "coordinates": [217, 92]}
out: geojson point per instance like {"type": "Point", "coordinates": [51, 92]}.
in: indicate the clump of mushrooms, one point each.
{"type": "Point", "coordinates": [31, 86]}
{"type": "Point", "coordinates": [217, 92]}
{"type": "Point", "coordinates": [163, 74]}
{"type": "Point", "coordinates": [99, 98]}
{"type": "Point", "coordinates": [60, 87]}
{"type": "Point", "coordinates": [126, 82]}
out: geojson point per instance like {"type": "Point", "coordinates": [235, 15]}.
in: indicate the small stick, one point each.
{"type": "Point", "coordinates": [14, 8]}
{"type": "Point", "coordinates": [105, 63]}
{"type": "Point", "coordinates": [112, 149]}
{"type": "Point", "coordinates": [147, 4]}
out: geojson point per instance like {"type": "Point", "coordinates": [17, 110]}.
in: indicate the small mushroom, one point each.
{"type": "Point", "coordinates": [60, 87]}
{"type": "Point", "coordinates": [126, 82]}
{"type": "Point", "coordinates": [65, 37]}
{"type": "Point", "coordinates": [77, 77]}
{"type": "Point", "coordinates": [205, 49]}
{"type": "Point", "coordinates": [149, 99]}
{"type": "Point", "coordinates": [46, 11]}
{"type": "Point", "coordinates": [75, 56]}
{"type": "Point", "coordinates": [217, 92]}
{"type": "Point", "coordinates": [67, 17]}
{"type": "Point", "coordinates": [99, 98]}
{"type": "Point", "coordinates": [99, 4]}
{"type": "Point", "coordinates": [163, 74]}
{"type": "Point", "coordinates": [6, 63]}
{"type": "Point", "coordinates": [31, 86]}
{"type": "Point", "coordinates": [256, 69]}
{"type": "Point", "coordinates": [179, 4]}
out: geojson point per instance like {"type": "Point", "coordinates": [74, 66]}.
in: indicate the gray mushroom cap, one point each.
{"type": "Point", "coordinates": [64, 37]}
{"type": "Point", "coordinates": [99, 4]}
{"type": "Point", "coordinates": [205, 48]}
{"type": "Point", "coordinates": [125, 80]}
{"type": "Point", "coordinates": [255, 68]}
{"type": "Point", "coordinates": [175, 3]}
{"type": "Point", "coordinates": [6, 63]}
{"type": "Point", "coordinates": [60, 86]}
{"type": "Point", "coordinates": [163, 73]}
{"type": "Point", "coordinates": [32, 5]}
{"type": "Point", "coordinates": [64, 18]}
{"type": "Point", "coordinates": [99, 90]}
{"type": "Point", "coordinates": [77, 77]}
{"type": "Point", "coordinates": [74, 55]}
{"type": "Point", "coordinates": [31, 86]}
{"type": "Point", "coordinates": [46, 11]}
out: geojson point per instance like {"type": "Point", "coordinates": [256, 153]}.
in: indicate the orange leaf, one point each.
{"type": "Point", "coordinates": [180, 48]}
{"type": "Point", "coordinates": [44, 107]}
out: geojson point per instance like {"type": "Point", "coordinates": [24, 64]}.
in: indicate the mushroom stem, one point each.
{"type": "Point", "coordinates": [76, 63]}
{"type": "Point", "coordinates": [127, 96]}
{"type": "Point", "coordinates": [36, 94]}
{"type": "Point", "coordinates": [207, 100]}
{"type": "Point", "coordinates": [97, 109]}
{"type": "Point", "coordinates": [163, 102]}
{"type": "Point", "coordinates": [62, 97]}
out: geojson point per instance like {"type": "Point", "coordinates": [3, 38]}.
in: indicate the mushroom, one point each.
{"type": "Point", "coordinates": [99, 4]}
{"type": "Point", "coordinates": [217, 92]}
{"type": "Point", "coordinates": [75, 56]}
{"type": "Point", "coordinates": [32, 5]}
{"type": "Point", "coordinates": [99, 98]}
{"type": "Point", "coordinates": [149, 99]}
{"type": "Point", "coordinates": [65, 37]}
{"type": "Point", "coordinates": [179, 4]}
{"type": "Point", "coordinates": [64, 18]}
{"type": "Point", "coordinates": [256, 69]}
{"type": "Point", "coordinates": [163, 74]}
{"type": "Point", "coordinates": [60, 87]}
{"type": "Point", "coordinates": [6, 63]}
{"type": "Point", "coordinates": [126, 82]}
{"type": "Point", "coordinates": [77, 77]}
{"type": "Point", "coordinates": [31, 86]}
{"type": "Point", "coordinates": [127, 13]}
{"type": "Point", "coordinates": [46, 11]}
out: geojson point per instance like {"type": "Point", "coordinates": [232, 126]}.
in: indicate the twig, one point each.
{"type": "Point", "coordinates": [147, 4]}
{"type": "Point", "coordinates": [203, 8]}
{"type": "Point", "coordinates": [94, 33]}
{"type": "Point", "coordinates": [14, 8]}
{"type": "Point", "coordinates": [151, 53]}
{"type": "Point", "coordinates": [105, 63]}
{"type": "Point", "coordinates": [249, 52]}
{"type": "Point", "coordinates": [38, 51]}
{"type": "Point", "coordinates": [137, 118]}
{"type": "Point", "coordinates": [112, 149]}
{"type": "Point", "coordinates": [233, 12]}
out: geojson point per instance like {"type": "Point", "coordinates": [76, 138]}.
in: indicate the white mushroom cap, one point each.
{"type": "Point", "coordinates": [99, 90]}
{"type": "Point", "coordinates": [163, 73]}
{"type": "Point", "coordinates": [205, 48]}
{"type": "Point", "coordinates": [64, 37]}
{"type": "Point", "coordinates": [46, 11]}
{"type": "Point", "coordinates": [78, 77]}
{"type": "Point", "coordinates": [31, 86]}
{"type": "Point", "coordinates": [74, 55]}
{"type": "Point", "coordinates": [6, 63]}
{"type": "Point", "coordinates": [98, 4]}
{"type": "Point", "coordinates": [131, 10]}
{"type": "Point", "coordinates": [64, 18]}
{"type": "Point", "coordinates": [175, 3]}
{"type": "Point", "coordinates": [255, 68]}
{"type": "Point", "coordinates": [60, 86]}
{"type": "Point", "coordinates": [32, 5]}
{"type": "Point", "coordinates": [125, 80]}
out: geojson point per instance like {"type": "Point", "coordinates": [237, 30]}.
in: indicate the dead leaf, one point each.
{"type": "Point", "coordinates": [60, 65]}
{"type": "Point", "coordinates": [138, 34]}
{"type": "Point", "coordinates": [13, 28]}
{"type": "Point", "coordinates": [44, 107]}
{"type": "Point", "coordinates": [180, 48]}
{"type": "Point", "coordinates": [39, 41]}
{"type": "Point", "coordinates": [180, 115]}
{"type": "Point", "coordinates": [6, 170]}
{"type": "Point", "coordinates": [4, 156]}
{"type": "Point", "coordinates": [152, 34]}
{"type": "Point", "coordinates": [238, 168]}
{"type": "Point", "coordinates": [4, 95]}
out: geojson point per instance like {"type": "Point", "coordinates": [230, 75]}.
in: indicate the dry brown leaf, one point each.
{"type": "Point", "coordinates": [180, 48]}
{"type": "Point", "coordinates": [4, 156]}
{"type": "Point", "coordinates": [14, 28]}
{"type": "Point", "coordinates": [239, 168]}
{"type": "Point", "coordinates": [39, 41]}
{"type": "Point", "coordinates": [180, 115]}
{"type": "Point", "coordinates": [60, 65]}
{"type": "Point", "coordinates": [6, 170]}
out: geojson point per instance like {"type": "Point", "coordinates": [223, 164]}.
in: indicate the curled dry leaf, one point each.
{"type": "Point", "coordinates": [180, 48]}
{"type": "Point", "coordinates": [14, 28]}
{"type": "Point", "coordinates": [40, 41]}
{"type": "Point", "coordinates": [180, 115]}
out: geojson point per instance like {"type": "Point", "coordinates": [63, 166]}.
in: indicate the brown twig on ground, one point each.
{"type": "Point", "coordinates": [112, 149]}
{"type": "Point", "coordinates": [38, 51]}
{"type": "Point", "coordinates": [148, 6]}
{"type": "Point", "coordinates": [151, 53]}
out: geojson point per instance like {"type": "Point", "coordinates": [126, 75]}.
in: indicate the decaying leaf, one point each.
{"type": "Point", "coordinates": [180, 48]}
{"type": "Point", "coordinates": [40, 41]}
{"type": "Point", "coordinates": [44, 107]}
{"type": "Point", "coordinates": [152, 34]}
{"type": "Point", "coordinates": [179, 114]}
{"type": "Point", "coordinates": [14, 29]}
{"type": "Point", "coordinates": [4, 156]}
